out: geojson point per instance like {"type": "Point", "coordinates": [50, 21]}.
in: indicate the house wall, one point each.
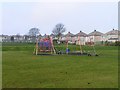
{"type": "Point", "coordinates": [94, 38]}
{"type": "Point", "coordinates": [80, 40]}
{"type": "Point", "coordinates": [112, 36]}
{"type": "Point", "coordinates": [107, 37]}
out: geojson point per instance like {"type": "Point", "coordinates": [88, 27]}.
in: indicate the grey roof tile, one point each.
{"type": "Point", "coordinates": [95, 33]}
{"type": "Point", "coordinates": [69, 34]}
{"type": "Point", "coordinates": [113, 32]}
{"type": "Point", "coordinates": [81, 34]}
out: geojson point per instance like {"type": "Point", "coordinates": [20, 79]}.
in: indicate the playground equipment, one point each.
{"type": "Point", "coordinates": [91, 44]}
{"type": "Point", "coordinates": [81, 51]}
{"type": "Point", "coordinates": [75, 52]}
{"type": "Point", "coordinates": [44, 46]}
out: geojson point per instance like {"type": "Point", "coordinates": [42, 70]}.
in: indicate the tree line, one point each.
{"type": "Point", "coordinates": [58, 30]}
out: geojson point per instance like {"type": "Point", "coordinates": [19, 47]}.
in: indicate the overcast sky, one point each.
{"type": "Point", "coordinates": [19, 17]}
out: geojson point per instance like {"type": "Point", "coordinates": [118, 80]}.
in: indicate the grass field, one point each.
{"type": "Point", "coordinates": [22, 69]}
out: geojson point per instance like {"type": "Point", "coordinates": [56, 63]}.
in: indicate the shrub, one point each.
{"type": "Point", "coordinates": [117, 43]}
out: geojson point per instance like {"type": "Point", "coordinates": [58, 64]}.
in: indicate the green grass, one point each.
{"type": "Point", "coordinates": [22, 69]}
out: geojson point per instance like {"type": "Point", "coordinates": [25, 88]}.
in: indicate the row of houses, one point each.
{"type": "Point", "coordinates": [79, 38]}
{"type": "Point", "coordinates": [17, 38]}
{"type": "Point", "coordinates": [95, 37]}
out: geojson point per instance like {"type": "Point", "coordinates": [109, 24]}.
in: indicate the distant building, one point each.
{"type": "Point", "coordinates": [4, 38]}
{"type": "Point", "coordinates": [112, 36]}
{"type": "Point", "coordinates": [16, 38]}
{"type": "Point", "coordinates": [80, 38]}
{"type": "Point", "coordinates": [69, 37]}
{"type": "Point", "coordinates": [95, 37]}
{"type": "Point", "coordinates": [26, 38]}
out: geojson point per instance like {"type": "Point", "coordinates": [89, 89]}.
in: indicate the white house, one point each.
{"type": "Point", "coordinates": [112, 36]}
{"type": "Point", "coordinates": [95, 37]}
{"type": "Point", "coordinates": [5, 38]}
{"type": "Point", "coordinates": [67, 37]}
{"type": "Point", "coordinates": [81, 38]}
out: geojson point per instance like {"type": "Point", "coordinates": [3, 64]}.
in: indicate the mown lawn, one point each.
{"type": "Point", "coordinates": [22, 69]}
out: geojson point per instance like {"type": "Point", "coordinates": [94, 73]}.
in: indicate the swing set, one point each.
{"type": "Point", "coordinates": [45, 46]}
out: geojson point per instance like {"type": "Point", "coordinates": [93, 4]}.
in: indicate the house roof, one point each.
{"type": "Point", "coordinates": [95, 33]}
{"type": "Point", "coordinates": [81, 34]}
{"type": "Point", "coordinates": [113, 32]}
{"type": "Point", "coordinates": [69, 34]}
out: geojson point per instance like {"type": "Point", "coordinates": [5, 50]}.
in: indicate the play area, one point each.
{"type": "Point", "coordinates": [45, 46]}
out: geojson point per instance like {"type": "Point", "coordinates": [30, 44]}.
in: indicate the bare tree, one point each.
{"type": "Point", "coordinates": [59, 29]}
{"type": "Point", "coordinates": [34, 32]}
